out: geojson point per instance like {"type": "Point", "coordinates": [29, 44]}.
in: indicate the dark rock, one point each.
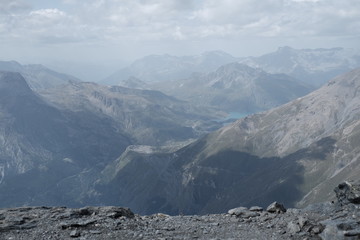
{"type": "Point", "coordinates": [353, 233]}
{"type": "Point", "coordinates": [276, 207]}
{"type": "Point", "coordinates": [348, 192]}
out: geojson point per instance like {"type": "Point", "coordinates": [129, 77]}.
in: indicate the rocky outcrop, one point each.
{"type": "Point", "coordinates": [320, 221]}
{"type": "Point", "coordinates": [348, 192]}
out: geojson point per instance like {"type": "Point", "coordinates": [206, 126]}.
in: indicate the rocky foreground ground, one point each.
{"type": "Point", "coordinates": [340, 220]}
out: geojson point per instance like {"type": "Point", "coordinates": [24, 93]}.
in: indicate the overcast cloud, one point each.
{"type": "Point", "coordinates": [119, 30]}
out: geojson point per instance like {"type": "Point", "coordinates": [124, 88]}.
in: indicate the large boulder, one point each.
{"type": "Point", "coordinates": [348, 192]}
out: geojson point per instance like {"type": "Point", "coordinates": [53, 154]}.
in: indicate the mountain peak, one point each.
{"type": "Point", "coordinates": [236, 67]}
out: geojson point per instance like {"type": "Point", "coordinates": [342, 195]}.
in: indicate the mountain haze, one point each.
{"type": "Point", "coordinates": [236, 87]}
{"type": "Point", "coordinates": [160, 68]}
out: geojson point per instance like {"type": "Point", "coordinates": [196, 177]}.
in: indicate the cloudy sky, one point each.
{"type": "Point", "coordinates": [94, 37]}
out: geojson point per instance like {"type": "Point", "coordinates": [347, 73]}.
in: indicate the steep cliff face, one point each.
{"type": "Point", "coordinates": [295, 153]}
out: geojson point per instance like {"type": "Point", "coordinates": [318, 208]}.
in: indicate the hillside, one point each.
{"type": "Point", "coordinates": [148, 117]}
{"type": "Point", "coordinates": [54, 143]}
{"type": "Point", "coordinates": [47, 154]}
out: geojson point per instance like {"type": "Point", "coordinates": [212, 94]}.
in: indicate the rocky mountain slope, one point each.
{"type": "Point", "coordinates": [295, 153]}
{"type": "Point", "coordinates": [313, 66]}
{"type": "Point", "coordinates": [326, 221]}
{"type": "Point", "coordinates": [235, 87]}
{"type": "Point", "coordinates": [155, 68]}
{"type": "Point", "coordinates": [148, 117]}
{"type": "Point", "coordinates": [47, 155]}
{"type": "Point", "coordinates": [37, 76]}
{"type": "Point", "coordinates": [55, 142]}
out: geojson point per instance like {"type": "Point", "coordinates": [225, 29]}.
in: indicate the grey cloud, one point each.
{"type": "Point", "coordinates": [13, 6]}
{"type": "Point", "coordinates": [123, 21]}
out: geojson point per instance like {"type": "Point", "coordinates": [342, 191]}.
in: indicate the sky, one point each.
{"type": "Point", "coordinates": [93, 38]}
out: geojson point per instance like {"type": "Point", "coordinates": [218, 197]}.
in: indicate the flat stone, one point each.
{"type": "Point", "coordinates": [256, 209]}
{"type": "Point", "coordinates": [238, 211]}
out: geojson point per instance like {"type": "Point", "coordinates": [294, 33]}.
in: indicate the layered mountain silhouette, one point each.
{"type": "Point", "coordinates": [38, 76]}
{"type": "Point", "coordinates": [155, 68]}
{"type": "Point", "coordinates": [295, 153]}
{"type": "Point", "coordinates": [236, 87]}
{"type": "Point", "coordinates": [312, 66]}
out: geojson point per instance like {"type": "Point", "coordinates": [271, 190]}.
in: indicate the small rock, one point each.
{"type": "Point", "coordinates": [293, 227]}
{"type": "Point", "coordinates": [75, 233]}
{"type": "Point", "coordinates": [95, 232]}
{"type": "Point", "coordinates": [276, 207]}
{"type": "Point", "coordinates": [302, 221]}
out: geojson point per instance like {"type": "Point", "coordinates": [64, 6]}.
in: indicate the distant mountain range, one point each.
{"type": "Point", "coordinates": [295, 153]}
{"type": "Point", "coordinates": [156, 68]}
{"type": "Point", "coordinates": [311, 66]}
{"type": "Point", "coordinates": [38, 76]}
{"type": "Point", "coordinates": [236, 87]}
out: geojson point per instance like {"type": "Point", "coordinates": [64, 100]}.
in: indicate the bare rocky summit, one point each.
{"type": "Point", "coordinates": [327, 221]}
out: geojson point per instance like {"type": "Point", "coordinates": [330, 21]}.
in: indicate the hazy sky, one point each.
{"type": "Point", "coordinates": [102, 35]}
